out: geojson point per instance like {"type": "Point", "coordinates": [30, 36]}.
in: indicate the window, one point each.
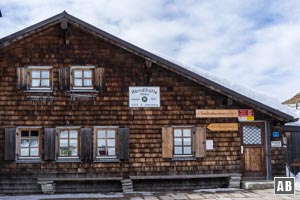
{"type": "Point", "coordinates": [183, 141]}
{"type": "Point", "coordinates": [29, 143]}
{"type": "Point", "coordinates": [82, 78]}
{"type": "Point", "coordinates": [34, 78]}
{"type": "Point", "coordinates": [40, 78]}
{"type": "Point", "coordinates": [68, 140]}
{"type": "Point", "coordinates": [106, 143]}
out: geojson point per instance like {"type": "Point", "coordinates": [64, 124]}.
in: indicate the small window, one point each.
{"type": "Point", "coordinates": [68, 140]}
{"type": "Point", "coordinates": [106, 143]}
{"type": "Point", "coordinates": [183, 141]}
{"type": "Point", "coordinates": [29, 143]}
{"type": "Point", "coordinates": [40, 78]}
{"type": "Point", "coordinates": [82, 78]}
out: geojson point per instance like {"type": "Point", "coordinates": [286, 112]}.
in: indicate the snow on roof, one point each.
{"type": "Point", "coordinates": [250, 93]}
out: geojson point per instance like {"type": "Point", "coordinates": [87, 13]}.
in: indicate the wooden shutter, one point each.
{"type": "Point", "coordinates": [10, 144]}
{"type": "Point", "coordinates": [200, 142]}
{"type": "Point", "coordinates": [64, 78]}
{"type": "Point", "coordinates": [86, 147]}
{"type": "Point", "coordinates": [123, 143]}
{"type": "Point", "coordinates": [49, 143]}
{"type": "Point", "coordinates": [167, 142]}
{"type": "Point", "coordinates": [22, 78]}
{"type": "Point", "coordinates": [99, 78]}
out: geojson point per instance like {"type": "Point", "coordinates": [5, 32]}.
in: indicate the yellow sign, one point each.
{"type": "Point", "coordinates": [223, 127]}
{"type": "Point", "coordinates": [229, 113]}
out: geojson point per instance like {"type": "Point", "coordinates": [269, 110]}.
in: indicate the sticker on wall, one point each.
{"type": "Point", "coordinates": [245, 115]}
{"type": "Point", "coordinates": [276, 144]}
{"type": "Point", "coordinates": [144, 97]}
{"type": "Point", "coordinates": [209, 144]}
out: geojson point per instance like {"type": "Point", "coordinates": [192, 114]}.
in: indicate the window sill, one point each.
{"type": "Point", "coordinates": [106, 160]}
{"type": "Point", "coordinates": [83, 91]}
{"type": "Point", "coordinates": [183, 158]}
{"type": "Point", "coordinates": [40, 90]}
{"type": "Point", "coordinates": [29, 160]}
{"type": "Point", "coordinates": [67, 160]}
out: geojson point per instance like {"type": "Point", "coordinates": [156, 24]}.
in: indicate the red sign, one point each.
{"type": "Point", "coordinates": [246, 115]}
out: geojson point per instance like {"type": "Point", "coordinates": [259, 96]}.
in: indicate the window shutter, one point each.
{"type": "Point", "coordinates": [200, 139]}
{"type": "Point", "coordinates": [86, 147]}
{"type": "Point", "coordinates": [99, 78]}
{"type": "Point", "coordinates": [167, 142]}
{"type": "Point", "coordinates": [49, 143]}
{"type": "Point", "coordinates": [22, 78]}
{"type": "Point", "coordinates": [64, 78]}
{"type": "Point", "coordinates": [123, 143]}
{"type": "Point", "coordinates": [10, 144]}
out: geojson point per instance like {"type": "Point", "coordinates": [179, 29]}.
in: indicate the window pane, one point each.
{"type": "Point", "coordinates": [35, 83]}
{"type": "Point", "coordinates": [101, 134]}
{"type": "Point", "coordinates": [35, 73]}
{"type": "Point", "coordinates": [45, 74]}
{"type": "Point", "coordinates": [78, 82]}
{"type": "Point", "coordinates": [64, 152]}
{"type": "Point", "coordinates": [24, 133]}
{"type": "Point", "coordinates": [187, 141]}
{"type": "Point", "coordinates": [87, 74]}
{"type": "Point", "coordinates": [87, 82]}
{"type": "Point", "coordinates": [77, 73]}
{"type": "Point", "coordinates": [111, 142]}
{"type": "Point", "coordinates": [45, 83]}
{"type": "Point", "coordinates": [73, 152]}
{"type": "Point", "coordinates": [34, 134]}
{"type": "Point", "coordinates": [73, 133]}
{"type": "Point", "coordinates": [63, 143]}
{"type": "Point", "coordinates": [111, 134]}
{"type": "Point", "coordinates": [187, 132]}
{"type": "Point", "coordinates": [178, 150]}
{"type": "Point", "coordinates": [34, 143]}
{"type": "Point", "coordinates": [24, 152]}
{"type": "Point", "coordinates": [177, 132]}
{"type": "Point", "coordinates": [187, 150]}
{"type": "Point", "coordinates": [73, 142]}
{"type": "Point", "coordinates": [64, 134]}
{"type": "Point", "coordinates": [177, 141]}
{"type": "Point", "coordinates": [24, 143]}
{"type": "Point", "coordinates": [34, 152]}
{"type": "Point", "coordinates": [101, 142]}
{"type": "Point", "coordinates": [111, 151]}
{"type": "Point", "coordinates": [102, 151]}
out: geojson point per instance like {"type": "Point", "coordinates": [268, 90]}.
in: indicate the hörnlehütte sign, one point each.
{"type": "Point", "coordinates": [144, 97]}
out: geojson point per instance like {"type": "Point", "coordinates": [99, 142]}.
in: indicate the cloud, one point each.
{"type": "Point", "coordinates": [253, 42]}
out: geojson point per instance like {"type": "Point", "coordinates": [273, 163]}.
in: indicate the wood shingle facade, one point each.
{"type": "Point", "coordinates": [65, 118]}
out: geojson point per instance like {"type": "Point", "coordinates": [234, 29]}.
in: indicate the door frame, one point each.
{"type": "Point", "coordinates": [264, 145]}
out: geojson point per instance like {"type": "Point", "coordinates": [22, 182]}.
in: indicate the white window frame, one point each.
{"type": "Point", "coordinates": [58, 130]}
{"type": "Point", "coordinates": [192, 141]}
{"type": "Point", "coordinates": [18, 142]}
{"type": "Point", "coordinates": [72, 78]}
{"type": "Point", "coordinates": [96, 128]}
{"type": "Point", "coordinates": [50, 68]}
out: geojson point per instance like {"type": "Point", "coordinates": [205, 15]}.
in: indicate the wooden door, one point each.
{"type": "Point", "coordinates": [253, 150]}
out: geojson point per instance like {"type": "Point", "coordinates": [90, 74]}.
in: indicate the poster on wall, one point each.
{"type": "Point", "coordinates": [144, 97]}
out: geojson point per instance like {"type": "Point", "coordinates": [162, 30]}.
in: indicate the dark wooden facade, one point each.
{"type": "Point", "coordinates": [49, 45]}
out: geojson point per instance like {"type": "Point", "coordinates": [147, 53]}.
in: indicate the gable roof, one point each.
{"type": "Point", "coordinates": [237, 92]}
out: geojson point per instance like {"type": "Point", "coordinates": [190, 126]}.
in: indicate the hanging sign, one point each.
{"type": "Point", "coordinates": [144, 97]}
{"type": "Point", "coordinates": [228, 113]}
{"type": "Point", "coordinates": [245, 115]}
{"type": "Point", "coordinates": [223, 127]}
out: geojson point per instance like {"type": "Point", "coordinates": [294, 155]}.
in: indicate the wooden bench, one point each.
{"type": "Point", "coordinates": [48, 184]}
{"type": "Point", "coordinates": [234, 179]}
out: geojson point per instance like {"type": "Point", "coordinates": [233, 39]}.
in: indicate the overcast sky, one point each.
{"type": "Point", "coordinates": [253, 42]}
